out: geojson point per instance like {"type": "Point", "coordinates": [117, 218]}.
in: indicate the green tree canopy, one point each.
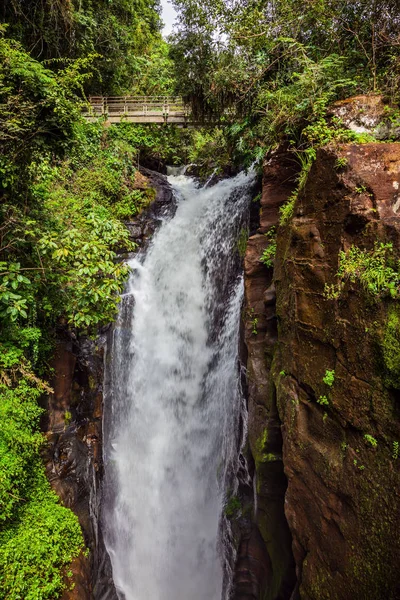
{"type": "Point", "coordinates": [121, 32]}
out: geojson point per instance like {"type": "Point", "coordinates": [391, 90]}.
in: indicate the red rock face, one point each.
{"type": "Point", "coordinates": [342, 502]}
{"type": "Point", "coordinates": [265, 438]}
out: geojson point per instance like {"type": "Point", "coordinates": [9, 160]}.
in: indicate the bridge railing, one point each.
{"type": "Point", "coordinates": [137, 106]}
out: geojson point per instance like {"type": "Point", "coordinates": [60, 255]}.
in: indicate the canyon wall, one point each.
{"type": "Point", "coordinates": [260, 335]}
{"type": "Point", "coordinates": [333, 444]}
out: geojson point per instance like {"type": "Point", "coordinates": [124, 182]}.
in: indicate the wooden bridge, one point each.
{"type": "Point", "coordinates": [138, 109]}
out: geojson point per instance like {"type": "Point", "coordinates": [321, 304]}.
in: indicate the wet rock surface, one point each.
{"type": "Point", "coordinates": [253, 567]}
{"type": "Point", "coordinates": [143, 225]}
{"type": "Point", "coordinates": [73, 454]}
{"type": "Point", "coordinates": [342, 502]}
{"type": "Point", "coordinates": [264, 427]}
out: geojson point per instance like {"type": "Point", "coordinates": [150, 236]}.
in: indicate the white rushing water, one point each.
{"type": "Point", "coordinates": [174, 402]}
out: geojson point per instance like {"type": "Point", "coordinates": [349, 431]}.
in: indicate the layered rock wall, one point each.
{"type": "Point", "coordinates": [260, 335]}
{"type": "Point", "coordinates": [333, 445]}
{"type": "Point", "coordinates": [342, 501]}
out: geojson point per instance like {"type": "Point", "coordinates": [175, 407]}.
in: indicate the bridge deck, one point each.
{"type": "Point", "coordinates": [138, 109]}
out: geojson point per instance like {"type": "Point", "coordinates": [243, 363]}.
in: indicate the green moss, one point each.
{"type": "Point", "coordinates": [391, 349]}
{"type": "Point", "coordinates": [260, 454]}
{"type": "Point", "coordinates": [233, 507]}
{"type": "Point", "coordinates": [262, 440]}
{"type": "Point", "coordinates": [67, 417]}
{"type": "Point", "coordinates": [242, 241]}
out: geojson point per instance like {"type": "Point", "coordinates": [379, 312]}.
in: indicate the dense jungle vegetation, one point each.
{"type": "Point", "coordinates": [267, 71]}
{"type": "Point", "coordinates": [276, 66]}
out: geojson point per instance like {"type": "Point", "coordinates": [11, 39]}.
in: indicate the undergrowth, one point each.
{"type": "Point", "coordinates": [377, 271]}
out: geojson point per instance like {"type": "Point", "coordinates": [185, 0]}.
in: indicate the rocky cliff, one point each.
{"type": "Point", "coordinates": [324, 380]}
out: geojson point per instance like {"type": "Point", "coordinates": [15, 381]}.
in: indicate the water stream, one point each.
{"type": "Point", "coordinates": [173, 401]}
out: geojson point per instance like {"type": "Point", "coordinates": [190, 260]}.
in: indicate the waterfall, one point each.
{"type": "Point", "coordinates": [173, 401]}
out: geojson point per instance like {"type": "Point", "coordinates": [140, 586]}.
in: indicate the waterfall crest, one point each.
{"type": "Point", "coordinates": [173, 400]}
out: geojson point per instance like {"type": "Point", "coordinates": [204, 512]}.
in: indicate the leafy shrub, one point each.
{"type": "Point", "coordinates": [371, 441]}
{"type": "Point", "coordinates": [329, 378]}
{"type": "Point", "coordinates": [38, 536]}
{"type": "Point", "coordinates": [377, 271]}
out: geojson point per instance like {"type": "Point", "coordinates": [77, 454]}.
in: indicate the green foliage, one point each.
{"type": "Point", "coordinates": [305, 159]}
{"type": "Point", "coordinates": [169, 144]}
{"type": "Point", "coordinates": [371, 441]}
{"type": "Point", "coordinates": [268, 256]}
{"type": "Point", "coordinates": [273, 69]}
{"type": "Point", "coordinates": [305, 94]}
{"type": "Point", "coordinates": [395, 453]}
{"type": "Point", "coordinates": [253, 321]}
{"type": "Point", "coordinates": [209, 150]}
{"type": "Point", "coordinates": [38, 537]}
{"type": "Point", "coordinates": [323, 400]}
{"type": "Point", "coordinates": [64, 186]}
{"type": "Point", "coordinates": [286, 210]}
{"type": "Point", "coordinates": [390, 349]}
{"type": "Point", "coordinates": [376, 271]}
{"type": "Point", "coordinates": [38, 546]}
{"type": "Point", "coordinates": [329, 378]}
{"type": "Point", "coordinates": [38, 110]}
{"type": "Point", "coordinates": [341, 162]}
{"type": "Point", "coordinates": [123, 35]}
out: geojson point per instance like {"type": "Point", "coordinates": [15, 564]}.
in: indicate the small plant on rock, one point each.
{"type": "Point", "coordinates": [254, 323]}
{"type": "Point", "coordinates": [329, 378]}
{"type": "Point", "coordinates": [377, 271]}
{"type": "Point", "coordinates": [341, 162]}
{"type": "Point", "coordinates": [67, 418]}
{"type": "Point", "coordinates": [287, 209]}
{"type": "Point", "coordinates": [268, 256]}
{"type": "Point", "coordinates": [395, 453]}
{"type": "Point", "coordinates": [371, 441]}
{"type": "Point", "coordinates": [323, 400]}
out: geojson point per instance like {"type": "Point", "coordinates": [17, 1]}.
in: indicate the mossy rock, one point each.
{"type": "Point", "coordinates": [390, 347]}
